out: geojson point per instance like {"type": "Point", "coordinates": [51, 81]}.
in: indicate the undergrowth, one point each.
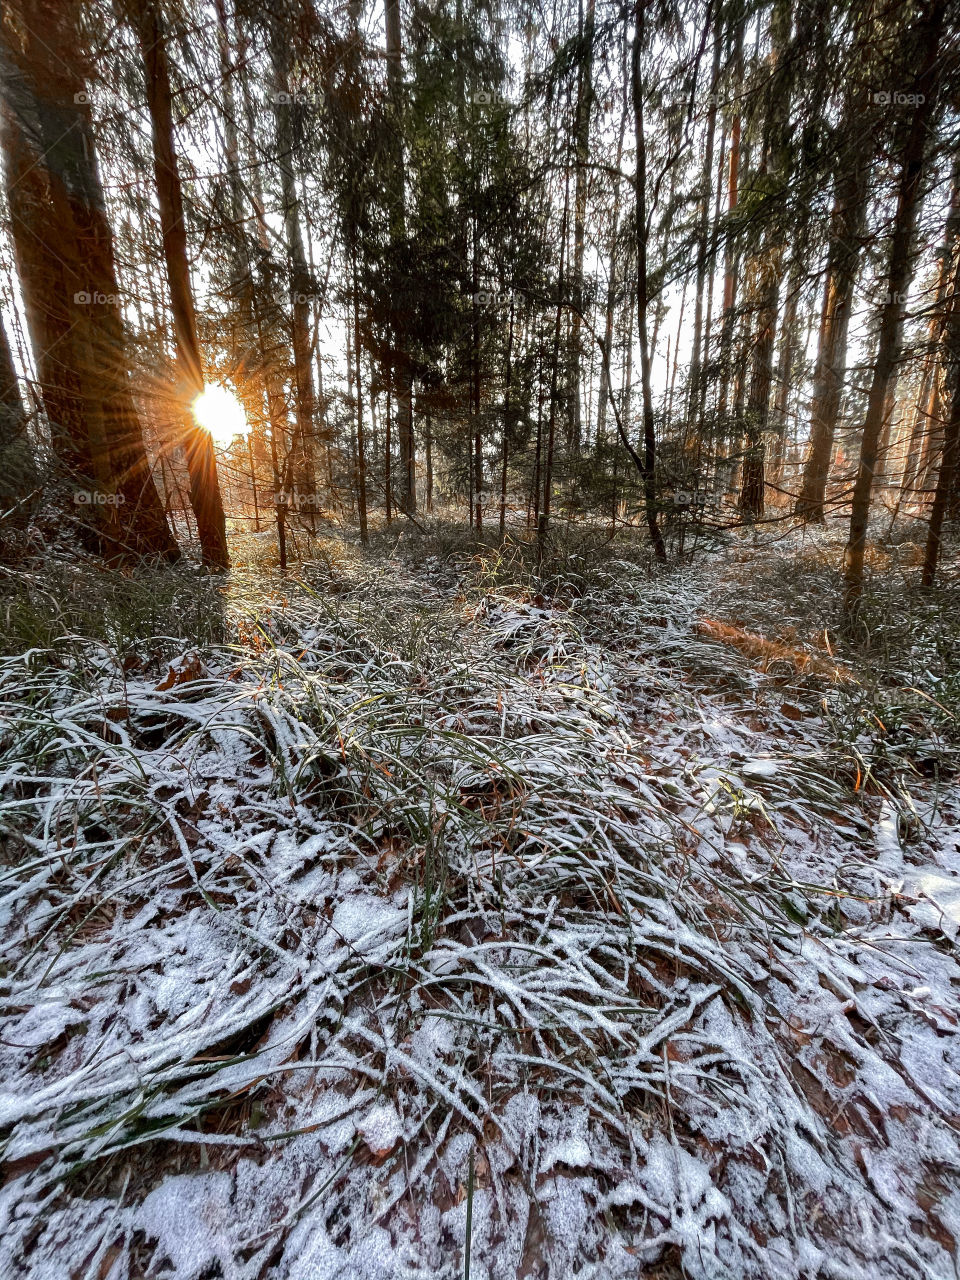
{"type": "Point", "coordinates": [321, 891]}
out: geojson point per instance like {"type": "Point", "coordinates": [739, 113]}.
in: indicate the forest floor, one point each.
{"type": "Point", "coordinates": [599, 923]}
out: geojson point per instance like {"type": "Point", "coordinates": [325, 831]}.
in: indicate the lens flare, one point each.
{"type": "Point", "coordinates": [219, 411]}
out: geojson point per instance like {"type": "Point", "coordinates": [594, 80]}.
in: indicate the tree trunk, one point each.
{"type": "Point", "coordinates": [912, 168]}
{"type": "Point", "coordinates": [18, 474]}
{"type": "Point", "coordinates": [788, 346]}
{"type": "Point", "coordinates": [476, 466]}
{"type": "Point", "coordinates": [728, 317]}
{"type": "Point", "coordinates": [404, 377]}
{"type": "Point", "coordinates": [201, 461]}
{"type": "Point", "coordinates": [846, 228]}
{"type": "Point", "coordinates": [706, 181]}
{"type": "Point", "coordinates": [301, 466]}
{"type": "Point", "coordinates": [429, 447]}
{"type": "Point", "coordinates": [65, 256]}
{"type": "Point", "coordinates": [753, 482]}
{"type": "Point", "coordinates": [926, 409]}
{"type": "Point", "coordinates": [949, 472]}
{"type": "Point", "coordinates": [649, 431]}
{"type": "Point", "coordinates": [543, 516]}
{"type": "Point", "coordinates": [606, 390]}
{"type": "Point", "coordinates": [361, 442]}
{"type": "Point", "coordinates": [584, 110]}
{"type": "Point", "coordinates": [505, 427]}
{"type": "Point", "coordinates": [387, 478]}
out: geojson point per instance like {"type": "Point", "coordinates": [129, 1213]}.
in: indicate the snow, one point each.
{"type": "Point", "coordinates": [366, 923]}
{"type": "Point", "coordinates": [553, 896]}
{"type": "Point", "coordinates": [381, 1128]}
{"type": "Point", "coordinates": [937, 904]}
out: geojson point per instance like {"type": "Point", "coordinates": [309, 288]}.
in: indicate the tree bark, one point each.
{"type": "Point", "coordinates": [302, 466]}
{"type": "Point", "coordinates": [201, 461]}
{"type": "Point", "coordinates": [899, 270]}
{"type": "Point", "coordinates": [949, 471]}
{"type": "Point", "coordinates": [361, 441]}
{"type": "Point", "coordinates": [649, 429]}
{"type": "Point", "coordinates": [543, 516]}
{"type": "Point", "coordinates": [846, 229]}
{"type": "Point", "coordinates": [584, 111]}
{"type": "Point", "coordinates": [18, 474]}
{"type": "Point", "coordinates": [927, 408]}
{"type": "Point", "coordinates": [404, 373]}
{"type": "Point", "coordinates": [706, 182]}
{"type": "Point", "coordinates": [65, 257]}
{"type": "Point", "coordinates": [505, 426]}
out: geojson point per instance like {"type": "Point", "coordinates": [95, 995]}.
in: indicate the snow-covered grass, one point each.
{"type": "Point", "coordinates": [426, 859]}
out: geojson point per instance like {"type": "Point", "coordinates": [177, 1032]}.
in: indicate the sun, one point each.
{"type": "Point", "coordinates": [219, 411]}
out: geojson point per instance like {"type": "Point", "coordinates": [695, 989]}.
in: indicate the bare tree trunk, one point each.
{"type": "Point", "coordinates": [949, 471]}
{"type": "Point", "coordinates": [926, 410]}
{"type": "Point", "coordinates": [201, 462]}
{"type": "Point", "coordinates": [361, 442]}
{"type": "Point", "coordinates": [605, 389]}
{"type": "Point", "coordinates": [912, 169]}
{"type": "Point", "coordinates": [65, 255]}
{"type": "Point", "coordinates": [846, 228]}
{"type": "Point", "coordinates": [476, 472]}
{"type": "Point", "coordinates": [706, 181]}
{"type": "Point", "coordinates": [543, 517]}
{"type": "Point", "coordinates": [728, 316]}
{"type": "Point", "coordinates": [18, 474]}
{"type": "Point", "coordinates": [765, 274]}
{"type": "Point", "coordinates": [753, 481]}
{"type": "Point", "coordinates": [505, 426]}
{"type": "Point", "coordinates": [429, 448]}
{"type": "Point", "coordinates": [584, 109]}
{"type": "Point", "coordinates": [387, 478]}
{"type": "Point", "coordinates": [301, 467]}
{"type": "Point", "coordinates": [404, 378]}
{"type": "Point", "coordinates": [788, 344]}
{"type": "Point", "coordinates": [649, 431]}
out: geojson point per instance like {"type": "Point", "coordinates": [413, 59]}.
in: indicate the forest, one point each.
{"type": "Point", "coordinates": [479, 639]}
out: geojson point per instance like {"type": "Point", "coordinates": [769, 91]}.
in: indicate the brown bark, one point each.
{"type": "Point", "coordinates": [505, 425]}
{"type": "Point", "coordinates": [728, 317]}
{"type": "Point", "coordinates": [584, 110]}
{"type": "Point", "coordinates": [926, 411]}
{"type": "Point", "coordinates": [912, 168]}
{"type": "Point", "coordinates": [846, 228]}
{"type": "Point", "coordinates": [766, 269]}
{"type": "Point", "coordinates": [361, 441]}
{"type": "Point", "coordinates": [201, 461]}
{"type": "Point", "coordinates": [543, 515]}
{"type": "Point", "coordinates": [758, 403]}
{"type": "Point", "coordinates": [648, 472]}
{"type": "Point", "coordinates": [949, 471]}
{"type": "Point", "coordinates": [65, 256]}
{"type": "Point", "coordinates": [301, 467]}
{"type": "Point", "coordinates": [404, 378]}
{"type": "Point", "coordinates": [706, 184]}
